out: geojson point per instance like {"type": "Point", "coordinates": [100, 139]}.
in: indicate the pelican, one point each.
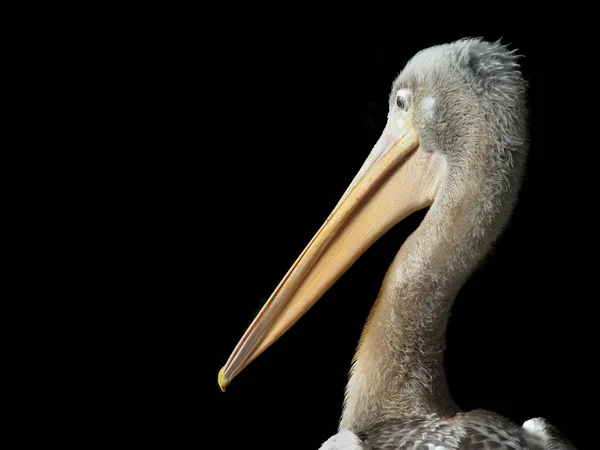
{"type": "Point", "coordinates": [455, 142]}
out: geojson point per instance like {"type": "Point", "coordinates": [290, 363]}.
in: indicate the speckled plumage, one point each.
{"type": "Point", "coordinates": [475, 430]}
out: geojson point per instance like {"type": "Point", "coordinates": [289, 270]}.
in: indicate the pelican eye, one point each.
{"type": "Point", "coordinates": [401, 102]}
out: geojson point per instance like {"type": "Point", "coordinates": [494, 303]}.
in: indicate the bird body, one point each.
{"type": "Point", "coordinates": [456, 142]}
{"type": "Point", "coordinates": [474, 430]}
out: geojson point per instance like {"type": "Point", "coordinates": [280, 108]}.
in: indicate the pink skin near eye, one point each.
{"type": "Point", "coordinates": [386, 139]}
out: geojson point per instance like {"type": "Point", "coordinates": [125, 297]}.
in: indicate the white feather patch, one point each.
{"type": "Point", "coordinates": [346, 440]}
{"type": "Point", "coordinates": [428, 106]}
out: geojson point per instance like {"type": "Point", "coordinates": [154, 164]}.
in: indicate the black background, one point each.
{"type": "Point", "coordinates": [278, 114]}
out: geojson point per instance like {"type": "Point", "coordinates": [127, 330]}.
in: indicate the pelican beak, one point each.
{"type": "Point", "coordinates": [397, 179]}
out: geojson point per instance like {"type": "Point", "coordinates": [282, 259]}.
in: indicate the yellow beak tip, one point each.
{"type": "Point", "coordinates": [223, 382]}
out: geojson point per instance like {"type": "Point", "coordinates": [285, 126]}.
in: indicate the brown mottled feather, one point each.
{"type": "Point", "coordinates": [475, 430]}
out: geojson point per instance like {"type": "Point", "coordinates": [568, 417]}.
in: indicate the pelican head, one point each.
{"type": "Point", "coordinates": [466, 100]}
{"type": "Point", "coordinates": [455, 141]}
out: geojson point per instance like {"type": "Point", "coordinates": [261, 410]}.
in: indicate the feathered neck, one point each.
{"type": "Point", "coordinates": [398, 367]}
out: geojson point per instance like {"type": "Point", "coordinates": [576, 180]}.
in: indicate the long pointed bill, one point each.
{"type": "Point", "coordinates": [397, 179]}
